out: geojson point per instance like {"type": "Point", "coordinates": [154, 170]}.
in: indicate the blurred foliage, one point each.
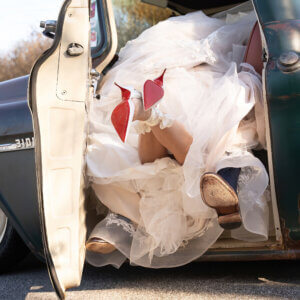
{"type": "Point", "coordinates": [132, 17]}
{"type": "Point", "coordinates": [19, 61]}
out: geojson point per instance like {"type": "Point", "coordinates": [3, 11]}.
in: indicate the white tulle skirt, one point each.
{"type": "Point", "coordinates": [219, 101]}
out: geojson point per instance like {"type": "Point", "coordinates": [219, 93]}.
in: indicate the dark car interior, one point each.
{"type": "Point", "coordinates": [184, 6]}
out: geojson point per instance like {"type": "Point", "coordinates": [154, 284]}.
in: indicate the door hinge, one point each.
{"type": "Point", "coordinates": [96, 79]}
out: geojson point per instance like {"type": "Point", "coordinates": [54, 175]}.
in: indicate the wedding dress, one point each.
{"type": "Point", "coordinates": [219, 101]}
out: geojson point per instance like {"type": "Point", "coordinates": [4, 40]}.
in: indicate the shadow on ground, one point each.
{"type": "Point", "coordinates": [270, 279]}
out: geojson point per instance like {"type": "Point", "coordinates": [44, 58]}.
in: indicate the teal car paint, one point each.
{"type": "Point", "coordinates": [280, 22]}
{"type": "Point", "coordinates": [18, 198]}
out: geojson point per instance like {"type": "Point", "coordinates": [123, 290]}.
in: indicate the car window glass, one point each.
{"type": "Point", "coordinates": [95, 27]}
{"type": "Point", "coordinates": [132, 17]}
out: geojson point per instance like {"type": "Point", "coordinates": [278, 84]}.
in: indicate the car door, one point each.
{"type": "Point", "coordinates": [61, 87]}
{"type": "Point", "coordinates": [280, 25]}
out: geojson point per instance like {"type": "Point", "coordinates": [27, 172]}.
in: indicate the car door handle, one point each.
{"type": "Point", "coordinates": [75, 49]}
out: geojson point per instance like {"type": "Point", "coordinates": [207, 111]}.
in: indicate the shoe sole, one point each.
{"type": "Point", "coordinates": [231, 221]}
{"type": "Point", "coordinates": [218, 194]}
{"type": "Point", "coordinates": [99, 246]}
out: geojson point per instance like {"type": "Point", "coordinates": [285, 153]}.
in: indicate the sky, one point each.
{"type": "Point", "coordinates": [18, 18]}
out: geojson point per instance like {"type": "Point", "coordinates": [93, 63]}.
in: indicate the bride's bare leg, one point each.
{"type": "Point", "coordinates": [156, 144]}
{"type": "Point", "coordinates": [150, 149]}
{"type": "Point", "coordinates": [175, 138]}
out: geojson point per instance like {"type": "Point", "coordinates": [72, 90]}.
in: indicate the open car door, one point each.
{"type": "Point", "coordinates": [60, 89]}
{"type": "Point", "coordinates": [280, 26]}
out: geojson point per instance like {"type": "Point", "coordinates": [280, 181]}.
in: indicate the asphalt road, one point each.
{"type": "Point", "coordinates": [246, 280]}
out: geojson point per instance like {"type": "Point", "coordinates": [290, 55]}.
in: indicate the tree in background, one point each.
{"type": "Point", "coordinates": [19, 61]}
{"type": "Point", "coordinates": [132, 17]}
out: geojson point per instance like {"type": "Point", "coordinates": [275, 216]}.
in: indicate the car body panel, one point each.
{"type": "Point", "coordinates": [19, 202]}
{"type": "Point", "coordinates": [14, 90]}
{"type": "Point", "coordinates": [280, 23]}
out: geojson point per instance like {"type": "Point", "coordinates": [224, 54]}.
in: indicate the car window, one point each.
{"type": "Point", "coordinates": [95, 26]}
{"type": "Point", "coordinates": [133, 17]}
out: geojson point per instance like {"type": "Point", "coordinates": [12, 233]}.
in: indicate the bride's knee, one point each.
{"type": "Point", "coordinates": [150, 154]}
{"type": "Point", "coordinates": [150, 149]}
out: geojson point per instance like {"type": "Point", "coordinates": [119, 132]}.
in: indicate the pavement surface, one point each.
{"type": "Point", "coordinates": [238, 280]}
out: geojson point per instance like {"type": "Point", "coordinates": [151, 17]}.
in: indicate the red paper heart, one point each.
{"type": "Point", "coordinates": [120, 119]}
{"type": "Point", "coordinates": [152, 94]}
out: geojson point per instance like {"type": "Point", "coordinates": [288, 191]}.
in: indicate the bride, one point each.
{"type": "Point", "coordinates": [185, 171]}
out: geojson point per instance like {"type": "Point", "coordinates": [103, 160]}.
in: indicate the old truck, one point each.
{"type": "Point", "coordinates": [38, 214]}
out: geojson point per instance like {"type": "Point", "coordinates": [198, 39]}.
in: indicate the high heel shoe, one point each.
{"type": "Point", "coordinates": [123, 113]}
{"type": "Point", "coordinates": [219, 194]}
{"type": "Point", "coordinates": [99, 246]}
{"type": "Point", "coordinates": [153, 91]}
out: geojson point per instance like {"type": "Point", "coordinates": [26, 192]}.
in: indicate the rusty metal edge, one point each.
{"type": "Point", "coordinates": [250, 255]}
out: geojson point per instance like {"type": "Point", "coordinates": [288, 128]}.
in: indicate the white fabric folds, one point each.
{"type": "Point", "coordinates": [156, 118]}
{"type": "Point", "coordinates": [207, 90]}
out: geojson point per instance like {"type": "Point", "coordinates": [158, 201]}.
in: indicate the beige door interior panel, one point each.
{"type": "Point", "coordinates": [60, 133]}
{"type": "Point", "coordinates": [73, 32]}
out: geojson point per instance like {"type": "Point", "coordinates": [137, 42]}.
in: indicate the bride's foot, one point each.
{"type": "Point", "coordinates": [135, 107]}
{"type": "Point", "coordinates": [99, 246]}
{"type": "Point", "coordinates": [139, 113]}
{"type": "Point", "coordinates": [219, 194]}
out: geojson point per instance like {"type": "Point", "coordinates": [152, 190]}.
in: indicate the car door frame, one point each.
{"type": "Point", "coordinates": [102, 60]}
{"type": "Point", "coordinates": [280, 27]}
